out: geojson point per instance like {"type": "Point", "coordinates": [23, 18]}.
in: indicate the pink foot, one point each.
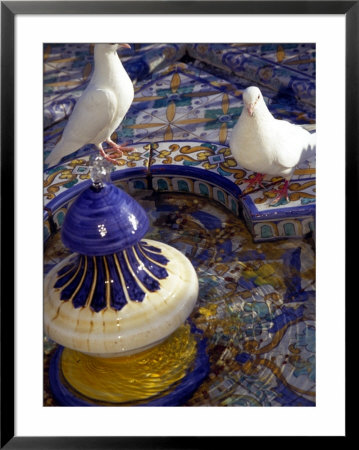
{"type": "Point", "coordinates": [105, 156]}
{"type": "Point", "coordinates": [119, 148]}
{"type": "Point", "coordinates": [282, 195]}
{"type": "Point", "coordinates": [253, 182]}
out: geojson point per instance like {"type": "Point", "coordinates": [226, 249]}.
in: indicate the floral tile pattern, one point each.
{"type": "Point", "coordinates": [257, 298]}
{"type": "Point", "coordinates": [286, 68]}
{"type": "Point", "coordinates": [182, 103]}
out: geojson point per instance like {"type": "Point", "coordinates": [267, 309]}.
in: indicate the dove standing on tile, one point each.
{"type": "Point", "coordinates": [101, 107]}
{"type": "Point", "coordinates": [268, 146]}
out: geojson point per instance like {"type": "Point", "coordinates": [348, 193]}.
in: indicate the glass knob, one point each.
{"type": "Point", "coordinates": [100, 171]}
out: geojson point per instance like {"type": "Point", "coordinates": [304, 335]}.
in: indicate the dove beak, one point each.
{"type": "Point", "coordinates": [250, 109]}
{"type": "Point", "coordinates": [125, 45]}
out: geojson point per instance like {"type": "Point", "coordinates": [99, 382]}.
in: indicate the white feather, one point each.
{"type": "Point", "coordinates": [100, 109]}
{"type": "Point", "coordinates": [266, 145]}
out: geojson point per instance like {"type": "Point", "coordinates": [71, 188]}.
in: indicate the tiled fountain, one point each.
{"type": "Point", "coordinates": [254, 319]}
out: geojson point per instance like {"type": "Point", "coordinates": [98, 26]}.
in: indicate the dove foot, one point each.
{"type": "Point", "coordinates": [282, 197]}
{"type": "Point", "coordinates": [255, 180]}
{"type": "Point", "coordinates": [119, 148]}
{"type": "Point", "coordinates": [107, 157]}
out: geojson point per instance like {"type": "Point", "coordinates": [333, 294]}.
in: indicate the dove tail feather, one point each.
{"type": "Point", "coordinates": [310, 151]}
{"type": "Point", "coordinates": [60, 150]}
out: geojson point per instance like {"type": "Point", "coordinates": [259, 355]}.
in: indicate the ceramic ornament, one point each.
{"type": "Point", "coordinates": [269, 146]}
{"type": "Point", "coordinates": [118, 293]}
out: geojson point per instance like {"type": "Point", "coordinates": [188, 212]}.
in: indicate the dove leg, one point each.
{"type": "Point", "coordinates": [253, 182]}
{"type": "Point", "coordinates": [105, 155]}
{"type": "Point", "coordinates": [119, 148]}
{"type": "Point", "coordinates": [282, 195]}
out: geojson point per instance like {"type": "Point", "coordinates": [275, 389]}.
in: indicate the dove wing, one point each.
{"type": "Point", "coordinates": [294, 140]}
{"type": "Point", "coordinates": [92, 115]}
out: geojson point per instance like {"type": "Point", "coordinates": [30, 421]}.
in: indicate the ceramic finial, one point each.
{"type": "Point", "coordinates": [100, 172]}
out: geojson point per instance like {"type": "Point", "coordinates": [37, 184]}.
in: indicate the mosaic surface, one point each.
{"type": "Point", "coordinates": [189, 95]}
{"type": "Point", "coordinates": [257, 297]}
{"type": "Point", "coordinates": [256, 305]}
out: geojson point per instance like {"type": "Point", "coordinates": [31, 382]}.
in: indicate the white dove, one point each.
{"type": "Point", "coordinates": [268, 146]}
{"type": "Point", "coordinates": [101, 107]}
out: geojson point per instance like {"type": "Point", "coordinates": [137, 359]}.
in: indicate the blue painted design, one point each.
{"type": "Point", "coordinates": [198, 174]}
{"type": "Point", "coordinates": [150, 283]}
{"type": "Point", "coordinates": [162, 185]}
{"type": "Point", "coordinates": [261, 310]}
{"type": "Point", "coordinates": [233, 206]}
{"type": "Point", "coordinates": [292, 278]}
{"type": "Point", "coordinates": [65, 279]}
{"type": "Point", "coordinates": [203, 189]}
{"type": "Point", "coordinates": [86, 279]}
{"type": "Point", "coordinates": [154, 256]}
{"type": "Point", "coordinates": [118, 297]}
{"type": "Point", "coordinates": [287, 315]}
{"type": "Point", "coordinates": [266, 231]}
{"type": "Point", "coordinates": [191, 163]}
{"type": "Point", "coordinates": [133, 289]}
{"type": "Point", "coordinates": [223, 173]}
{"type": "Point", "coordinates": [60, 218]}
{"type": "Point", "coordinates": [183, 186]}
{"type": "Point", "coordinates": [83, 294]}
{"type": "Point", "coordinates": [98, 301]}
{"type": "Point", "coordinates": [158, 271]}
{"type": "Point", "coordinates": [103, 222]}
{"type": "Point", "coordinates": [306, 201]}
{"type": "Point", "coordinates": [243, 357]}
{"type": "Point", "coordinates": [276, 213]}
{"type": "Point", "coordinates": [151, 248]}
{"type": "Point", "coordinates": [305, 367]}
{"type": "Point", "coordinates": [209, 221]}
{"type": "Point", "coordinates": [280, 202]}
{"type": "Point", "coordinates": [201, 257]}
{"type": "Point", "coordinates": [216, 159]}
{"type": "Point", "coordinates": [251, 255]}
{"type": "Point", "coordinates": [289, 229]}
{"type": "Point", "coordinates": [138, 184]}
{"type": "Point", "coordinates": [69, 267]}
{"type": "Point", "coordinates": [220, 197]}
{"type": "Point", "coordinates": [69, 289]}
{"type": "Point", "coordinates": [246, 284]}
{"type": "Point", "coordinates": [286, 397]}
{"type": "Point", "coordinates": [306, 339]}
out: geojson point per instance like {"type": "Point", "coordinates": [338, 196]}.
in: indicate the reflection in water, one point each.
{"type": "Point", "coordinates": [256, 305]}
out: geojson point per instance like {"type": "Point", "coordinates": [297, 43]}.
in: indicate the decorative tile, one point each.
{"type": "Point", "coordinates": [281, 67]}
{"type": "Point", "coordinates": [256, 306]}
{"type": "Point", "coordinates": [63, 177]}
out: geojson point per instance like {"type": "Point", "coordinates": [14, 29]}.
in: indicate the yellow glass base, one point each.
{"type": "Point", "coordinates": [135, 377]}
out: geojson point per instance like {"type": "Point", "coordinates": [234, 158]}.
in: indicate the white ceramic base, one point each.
{"type": "Point", "coordinates": [135, 327]}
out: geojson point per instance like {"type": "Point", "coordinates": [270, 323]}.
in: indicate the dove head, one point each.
{"type": "Point", "coordinates": [253, 99]}
{"type": "Point", "coordinates": [111, 48]}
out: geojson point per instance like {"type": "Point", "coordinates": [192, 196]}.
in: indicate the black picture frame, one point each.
{"type": "Point", "coordinates": [9, 9]}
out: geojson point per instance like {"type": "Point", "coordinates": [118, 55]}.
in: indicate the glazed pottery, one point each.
{"type": "Point", "coordinates": [118, 293]}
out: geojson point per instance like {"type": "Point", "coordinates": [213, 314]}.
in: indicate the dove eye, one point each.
{"type": "Point", "coordinates": [259, 96]}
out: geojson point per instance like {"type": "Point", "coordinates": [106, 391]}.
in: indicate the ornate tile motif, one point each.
{"type": "Point", "coordinates": [65, 176]}
{"type": "Point", "coordinates": [257, 297]}
{"type": "Point", "coordinates": [285, 68]}
{"type": "Point", "coordinates": [256, 306]}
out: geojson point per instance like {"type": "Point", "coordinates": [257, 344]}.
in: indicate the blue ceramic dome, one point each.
{"type": "Point", "coordinates": [102, 221]}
